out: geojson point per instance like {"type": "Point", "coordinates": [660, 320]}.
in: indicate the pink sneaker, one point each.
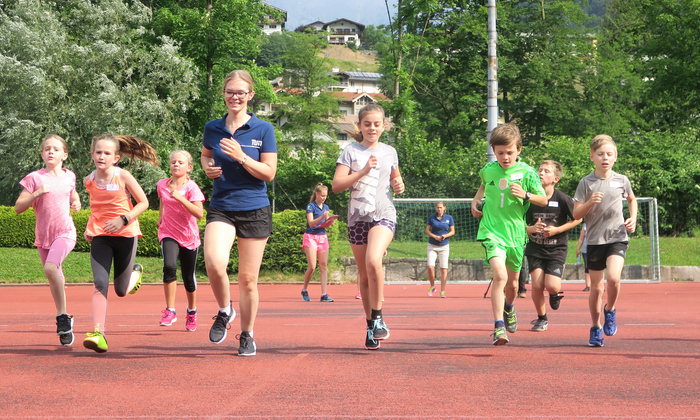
{"type": "Point", "coordinates": [191, 321]}
{"type": "Point", "coordinates": [431, 291]}
{"type": "Point", "coordinates": [168, 318]}
{"type": "Point", "coordinates": [358, 296]}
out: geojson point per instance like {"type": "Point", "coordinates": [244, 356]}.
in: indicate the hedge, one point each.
{"type": "Point", "coordinates": [282, 253]}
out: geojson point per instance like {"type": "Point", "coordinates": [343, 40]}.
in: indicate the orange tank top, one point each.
{"type": "Point", "coordinates": [109, 202]}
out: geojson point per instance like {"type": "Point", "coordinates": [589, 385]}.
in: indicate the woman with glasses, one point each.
{"type": "Point", "coordinates": [240, 154]}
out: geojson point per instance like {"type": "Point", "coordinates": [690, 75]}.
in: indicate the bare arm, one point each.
{"type": "Point", "coordinates": [343, 179]}
{"type": "Point", "coordinates": [631, 223]}
{"type": "Point", "coordinates": [313, 222]}
{"type": "Point", "coordinates": [579, 244]}
{"type": "Point", "coordinates": [195, 208]}
{"type": "Point", "coordinates": [477, 201]}
{"type": "Point", "coordinates": [397, 181]}
{"type": "Point", "coordinates": [555, 230]}
{"type": "Point", "coordinates": [207, 159]}
{"type": "Point", "coordinates": [75, 201]}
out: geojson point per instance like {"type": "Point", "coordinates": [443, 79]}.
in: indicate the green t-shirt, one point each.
{"type": "Point", "coordinates": [504, 214]}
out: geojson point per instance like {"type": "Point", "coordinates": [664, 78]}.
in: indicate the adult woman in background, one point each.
{"type": "Point", "coordinates": [440, 226]}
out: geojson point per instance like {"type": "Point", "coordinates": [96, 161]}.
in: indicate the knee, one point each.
{"type": "Point", "coordinates": [169, 273]}
{"type": "Point", "coordinates": [323, 266]}
{"type": "Point", "coordinates": [50, 270]}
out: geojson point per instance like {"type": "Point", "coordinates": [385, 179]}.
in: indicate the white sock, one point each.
{"type": "Point", "coordinates": [171, 309]}
{"type": "Point", "coordinates": [226, 310]}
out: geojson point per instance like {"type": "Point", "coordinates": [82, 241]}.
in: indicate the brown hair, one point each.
{"type": "Point", "coordinates": [505, 135]}
{"type": "Point", "coordinates": [558, 169]}
{"type": "Point", "coordinates": [317, 189]}
{"type": "Point", "coordinates": [132, 146]}
{"type": "Point", "coordinates": [367, 109]}
{"type": "Point", "coordinates": [600, 140]}
{"type": "Point", "coordinates": [242, 75]}
{"type": "Point", "coordinates": [57, 137]}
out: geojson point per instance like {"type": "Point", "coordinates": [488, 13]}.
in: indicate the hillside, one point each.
{"type": "Point", "coordinates": [348, 60]}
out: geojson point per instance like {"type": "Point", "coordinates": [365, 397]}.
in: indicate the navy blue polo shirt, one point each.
{"type": "Point", "coordinates": [316, 211]}
{"type": "Point", "coordinates": [440, 227]}
{"type": "Point", "coordinates": [236, 189]}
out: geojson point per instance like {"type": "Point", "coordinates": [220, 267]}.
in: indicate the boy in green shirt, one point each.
{"type": "Point", "coordinates": [508, 186]}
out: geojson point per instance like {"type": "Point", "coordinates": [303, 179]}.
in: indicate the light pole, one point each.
{"type": "Point", "coordinates": [492, 101]}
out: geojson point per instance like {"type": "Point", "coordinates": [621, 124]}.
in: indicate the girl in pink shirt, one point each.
{"type": "Point", "coordinates": [178, 232]}
{"type": "Point", "coordinates": [51, 192]}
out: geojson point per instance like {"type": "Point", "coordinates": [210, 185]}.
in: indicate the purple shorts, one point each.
{"type": "Point", "coordinates": [358, 233]}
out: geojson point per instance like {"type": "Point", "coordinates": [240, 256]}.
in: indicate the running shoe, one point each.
{"type": "Point", "coordinates": [358, 295]}
{"type": "Point", "coordinates": [64, 324]}
{"type": "Point", "coordinates": [66, 339]}
{"type": "Point", "coordinates": [596, 339]}
{"type": "Point", "coordinates": [168, 317]}
{"type": "Point", "coordinates": [555, 300]}
{"type": "Point", "coordinates": [442, 294]}
{"type": "Point", "coordinates": [380, 331]}
{"type": "Point", "coordinates": [431, 291]}
{"type": "Point", "coordinates": [539, 325]}
{"type": "Point", "coordinates": [222, 323]}
{"type": "Point", "coordinates": [138, 268]}
{"type": "Point", "coordinates": [370, 342]}
{"type": "Point", "coordinates": [305, 295]}
{"type": "Point", "coordinates": [610, 325]}
{"type": "Point", "coordinates": [247, 346]}
{"type": "Point", "coordinates": [191, 321]}
{"type": "Point", "coordinates": [499, 336]}
{"type": "Point", "coordinates": [95, 341]}
{"type": "Point", "coordinates": [586, 289]}
{"type": "Point", "coordinates": [511, 320]}
{"type": "Point", "coordinates": [326, 298]}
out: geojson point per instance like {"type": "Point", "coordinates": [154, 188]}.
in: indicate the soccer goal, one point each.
{"type": "Point", "coordinates": [410, 242]}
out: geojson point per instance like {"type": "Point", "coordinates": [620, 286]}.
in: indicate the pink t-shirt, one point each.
{"type": "Point", "coordinates": [53, 219]}
{"type": "Point", "coordinates": [178, 223]}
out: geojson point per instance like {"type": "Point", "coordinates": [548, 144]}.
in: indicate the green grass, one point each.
{"type": "Point", "coordinates": [22, 265]}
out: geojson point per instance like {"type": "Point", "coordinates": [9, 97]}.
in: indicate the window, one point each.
{"type": "Point", "coordinates": [342, 136]}
{"type": "Point", "coordinates": [273, 26]}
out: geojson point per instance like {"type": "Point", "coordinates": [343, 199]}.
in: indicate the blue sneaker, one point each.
{"type": "Point", "coordinates": [596, 339]}
{"type": "Point", "coordinates": [610, 325]}
{"type": "Point", "coordinates": [305, 295]}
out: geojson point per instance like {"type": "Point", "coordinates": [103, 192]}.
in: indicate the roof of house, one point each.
{"type": "Point", "coordinates": [353, 96]}
{"type": "Point", "coordinates": [359, 25]}
{"type": "Point", "coordinates": [361, 75]}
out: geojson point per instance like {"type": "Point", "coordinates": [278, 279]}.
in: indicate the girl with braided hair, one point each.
{"type": "Point", "coordinates": [113, 228]}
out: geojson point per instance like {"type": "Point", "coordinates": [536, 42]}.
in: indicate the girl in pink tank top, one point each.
{"type": "Point", "coordinates": [113, 228]}
{"type": "Point", "coordinates": [51, 192]}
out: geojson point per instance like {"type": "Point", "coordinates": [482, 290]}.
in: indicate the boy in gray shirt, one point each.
{"type": "Point", "coordinates": [599, 198]}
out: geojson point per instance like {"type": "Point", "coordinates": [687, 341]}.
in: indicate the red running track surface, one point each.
{"type": "Point", "coordinates": [311, 362]}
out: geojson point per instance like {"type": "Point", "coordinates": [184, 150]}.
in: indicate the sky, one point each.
{"type": "Point", "coordinates": [366, 12]}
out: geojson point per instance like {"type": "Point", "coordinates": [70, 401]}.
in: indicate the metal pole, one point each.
{"type": "Point", "coordinates": [492, 102]}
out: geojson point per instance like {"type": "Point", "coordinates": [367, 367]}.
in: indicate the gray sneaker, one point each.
{"type": "Point", "coordinates": [380, 331]}
{"type": "Point", "coordinates": [219, 328]}
{"type": "Point", "coordinates": [511, 320]}
{"type": "Point", "coordinates": [247, 347]}
{"type": "Point", "coordinates": [539, 325]}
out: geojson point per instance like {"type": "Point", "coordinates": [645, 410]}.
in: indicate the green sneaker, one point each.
{"type": "Point", "coordinates": [499, 336]}
{"type": "Point", "coordinates": [95, 341]}
{"type": "Point", "coordinates": [138, 268]}
{"type": "Point", "coordinates": [511, 320]}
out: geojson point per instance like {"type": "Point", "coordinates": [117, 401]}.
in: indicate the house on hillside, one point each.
{"type": "Point", "coordinates": [356, 81]}
{"type": "Point", "coordinates": [269, 25]}
{"type": "Point", "coordinates": [339, 32]}
{"type": "Point", "coordinates": [350, 103]}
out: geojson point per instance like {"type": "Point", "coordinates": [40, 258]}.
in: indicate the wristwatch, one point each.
{"type": "Point", "coordinates": [125, 220]}
{"type": "Point", "coordinates": [527, 196]}
{"type": "Point", "coordinates": [244, 159]}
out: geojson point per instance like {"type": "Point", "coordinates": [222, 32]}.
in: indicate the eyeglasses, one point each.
{"type": "Point", "coordinates": [237, 94]}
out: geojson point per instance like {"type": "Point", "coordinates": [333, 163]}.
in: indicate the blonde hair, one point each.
{"type": "Point", "coordinates": [443, 204]}
{"type": "Point", "coordinates": [185, 153]}
{"type": "Point", "coordinates": [57, 137]}
{"type": "Point", "coordinates": [558, 169]}
{"type": "Point", "coordinates": [600, 140]}
{"type": "Point", "coordinates": [367, 109]}
{"type": "Point", "coordinates": [241, 75]}
{"type": "Point", "coordinates": [505, 135]}
{"type": "Point", "coordinates": [317, 189]}
{"type": "Point", "coordinates": [132, 146]}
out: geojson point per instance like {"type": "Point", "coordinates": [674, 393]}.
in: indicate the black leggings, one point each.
{"type": "Point", "coordinates": [103, 250]}
{"type": "Point", "coordinates": [171, 251]}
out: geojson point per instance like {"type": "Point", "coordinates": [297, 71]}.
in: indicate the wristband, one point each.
{"type": "Point", "coordinates": [244, 159]}
{"type": "Point", "coordinates": [124, 219]}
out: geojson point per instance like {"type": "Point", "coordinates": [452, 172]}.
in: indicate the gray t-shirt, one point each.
{"type": "Point", "coordinates": [370, 198]}
{"type": "Point", "coordinates": [605, 221]}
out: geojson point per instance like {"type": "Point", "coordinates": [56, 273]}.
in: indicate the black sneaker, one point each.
{"type": "Point", "coordinates": [370, 342]}
{"type": "Point", "coordinates": [380, 331]}
{"type": "Point", "coordinates": [64, 324]}
{"type": "Point", "coordinates": [247, 347]}
{"type": "Point", "coordinates": [66, 339]}
{"type": "Point", "coordinates": [222, 322]}
{"type": "Point", "coordinates": [555, 300]}
{"type": "Point", "coordinates": [326, 298]}
{"type": "Point", "coordinates": [586, 289]}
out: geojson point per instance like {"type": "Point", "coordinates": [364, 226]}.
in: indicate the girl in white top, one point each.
{"type": "Point", "coordinates": [368, 168]}
{"type": "Point", "coordinates": [51, 192]}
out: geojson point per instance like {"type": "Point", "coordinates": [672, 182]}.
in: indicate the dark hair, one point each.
{"type": "Point", "coordinates": [505, 135]}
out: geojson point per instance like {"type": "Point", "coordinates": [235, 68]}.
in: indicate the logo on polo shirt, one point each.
{"type": "Point", "coordinates": [257, 143]}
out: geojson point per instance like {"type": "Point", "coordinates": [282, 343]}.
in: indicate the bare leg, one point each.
{"type": "Point", "coordinates": [537, 276]}
{"type": "Point", "coordinates": [170, 290]}
{"type": "Point", "coordinates": [311, 260]}
{"type": "Point", "coordinates": [431, 276]}
{"type": "Point", "coordinates": [251, 252]}
{"type": "Point", "coordinates": [218, 240]}
{"type": "Point", "coordinates": [57, 286]}
{"type": "Point", "coordinates": [323, 267]}
{"type": "Point", "coordinates": [443, 279]}
{"type": "Point", "coordinates": [615, 264]}
{"type": "Point", "coordinates": [378, 241]}
{"type": "Point", "coordinates": [595, 297]}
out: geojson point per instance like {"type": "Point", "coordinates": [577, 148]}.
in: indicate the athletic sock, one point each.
{"type": "Point", "coordinates": [226, 310]}
{"type": "Point", "coordinates": [376, 313]}
{"type": "Point", "coordinates": [500, 324]}
{"type": "Point", "coordinates": [171, 309]}
{"type": "Point", "coordinates": [507, 307]}
{"type": "Point", "coordinates": [370, 323]}
{"type": "Point", "coordinates": [193, 311]}
{"type": "Point", "coordinates": [542, 317]}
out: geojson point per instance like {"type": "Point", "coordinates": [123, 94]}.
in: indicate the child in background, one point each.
{"type": "Point", "coordinates": [113, 228]}
{"type": "Point", "coordinates": [368, 168]}
{"type": "Point", "coordinates": [51, 192]}
{"type": "Point", "coordinates": [548, 228]}
{"type": "Point", "coordinates": [508, 186]}
{"type": "Point", "coordinates": [315, 242]}
{"type": "Point", "coordinates": [599, 198]}
{"type": "Point", "coordinates": [178, 233]}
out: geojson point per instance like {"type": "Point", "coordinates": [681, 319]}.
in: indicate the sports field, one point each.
{"type": "Point", "coordinates": [311, 363]}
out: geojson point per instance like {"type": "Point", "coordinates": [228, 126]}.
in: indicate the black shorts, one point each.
{"type": "Point", "coordinates": [598, 254]}
{"type": "Point", "coordinates": [551, 267]}
{"type": "Point", "coordinates": [248, 223]}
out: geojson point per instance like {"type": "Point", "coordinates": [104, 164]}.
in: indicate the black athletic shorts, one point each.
{"type": "Point", "coordinates": [551, 267]}
{"type": "Point", "coordinates": [598, 254]}
{"type": "Point", "coordinates": [248, 224]}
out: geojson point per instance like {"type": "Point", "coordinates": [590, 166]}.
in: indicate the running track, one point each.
{"type": "Point", "coordinates": [311, 363]}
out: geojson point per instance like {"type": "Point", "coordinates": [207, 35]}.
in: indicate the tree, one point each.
{"type": "Point", "coordinates": [273, 47]}
{"type": "Point", "coordinates": [374, 35]}
{"type": "Point", "coordinates": [79, 69]}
